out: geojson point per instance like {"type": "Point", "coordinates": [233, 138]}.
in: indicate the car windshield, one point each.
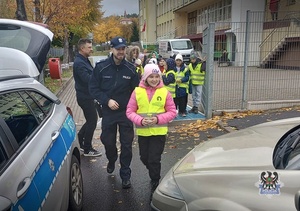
{"type": "Point", "coordinates": [182, 45]}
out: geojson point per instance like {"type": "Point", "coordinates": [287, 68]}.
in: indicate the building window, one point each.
{"type": "Point", "coordinates": [290, 2]}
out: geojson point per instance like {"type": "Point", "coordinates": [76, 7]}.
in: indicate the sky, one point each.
{"type": "Point", "coordinates": [117, 7]}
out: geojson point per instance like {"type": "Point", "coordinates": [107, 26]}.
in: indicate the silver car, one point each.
{"type": "Point", "coordinates": [252, 169]}
{"type": "Point", "coordinates": [39, 151]}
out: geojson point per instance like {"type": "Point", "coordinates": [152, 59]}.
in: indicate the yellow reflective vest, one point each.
{"type": "Point", "coordinates": [171, 87]}
{"type": "Point", "coordinates": [197, 77]}
{"type": "Point", "coordinates": [180, 75]}
{"type": "Point", "coordinates": [152, 108]}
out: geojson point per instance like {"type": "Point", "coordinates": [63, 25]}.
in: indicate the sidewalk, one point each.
{"type": "Point", "coordinates": [228, 123]}
{"type": "Point", "coordinates": [68, 96]}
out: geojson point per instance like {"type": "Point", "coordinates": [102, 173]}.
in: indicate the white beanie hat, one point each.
{"type": "Point", "coordinates": [150, 69]}
{"type": "Point", "coordinates": [153, 61]}
{"type": "Point", "coordinates": [179, 56]}
{"type": "Point", "coordinates": [138, 62]}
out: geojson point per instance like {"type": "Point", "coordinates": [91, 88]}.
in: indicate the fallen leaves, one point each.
{"type": "Point", "coordinates": [193, 129]}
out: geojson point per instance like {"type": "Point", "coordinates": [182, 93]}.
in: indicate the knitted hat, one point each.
{"type": "Point", "coordinates": [141, 56]}
{"type": "Point", "coordinates": [150, 69]}
{"type": "Point", "coordinates": [171, 65]}
{"type": "Point", "coordinates": [179, 57]}
{"type": "Point", "coordinates": [153, 61]}
{"type": "Point", "coordinates": [138, 62]}
{"type": "Point", "coordinates": [193, 55]}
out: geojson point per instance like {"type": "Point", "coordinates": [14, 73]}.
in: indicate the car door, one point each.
{"type": "Point", "coordinates": [50, 163]}
{"type": "Point", "coordinates": [16, 183]}
{"type": "Point", "coordinates": [40, 152]}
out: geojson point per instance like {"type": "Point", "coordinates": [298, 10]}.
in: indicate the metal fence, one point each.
{"type": "Point", "coordinates": [56, 52]}
{"type": "Point", "coordinates": [262, 69]}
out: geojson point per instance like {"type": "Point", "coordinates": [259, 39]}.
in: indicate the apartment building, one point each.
{"type": "Point", "coordinates": [271, 30]}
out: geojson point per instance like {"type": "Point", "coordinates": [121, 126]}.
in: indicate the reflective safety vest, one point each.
{"type": "Point", "coordinates": [140, 69]}
{"type": "Point", "coordinates": [181, 75]}
{"type": "Point", "coordinates": [149, 109]}
{"type": "Point", "coordinates": [197, 77]}
{"type": "Point", "coordinates": [171, 87]}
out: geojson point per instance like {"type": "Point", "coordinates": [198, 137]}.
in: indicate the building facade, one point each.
{"type": "Point", "coordinates": [271, 25]}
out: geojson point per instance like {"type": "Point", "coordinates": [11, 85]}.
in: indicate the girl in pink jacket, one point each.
{"type": "Point", "coordinates": [151, 108]}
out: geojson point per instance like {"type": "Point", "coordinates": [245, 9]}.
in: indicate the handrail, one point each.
{"type": "Point", "coordinates": [274, 30]}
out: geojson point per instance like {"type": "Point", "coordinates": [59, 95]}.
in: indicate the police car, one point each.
{"type": "Point", "coordinates": [39, 151]}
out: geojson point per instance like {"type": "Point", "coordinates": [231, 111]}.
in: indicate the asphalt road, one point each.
{"type": "Point", "coordinates": [103, 192]}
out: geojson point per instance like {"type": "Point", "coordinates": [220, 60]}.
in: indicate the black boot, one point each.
{"type": "Point", "coordinates": [192, 110]}
{"type": "Point", "coordinates": [196, 111]}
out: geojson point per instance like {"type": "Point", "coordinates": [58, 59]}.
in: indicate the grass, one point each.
{"type": "Point", "coordinates": [55, 84]}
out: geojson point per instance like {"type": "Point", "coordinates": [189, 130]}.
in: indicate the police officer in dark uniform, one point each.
{"type": "Point", "coordinates": [111, 84]}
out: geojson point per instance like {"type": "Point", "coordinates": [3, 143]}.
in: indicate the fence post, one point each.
{"type": "Point", "coordinates": [209, 42]}
{"type": "Point", "coordinates": [245, 68]}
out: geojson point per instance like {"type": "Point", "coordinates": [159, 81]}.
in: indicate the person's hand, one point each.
{"type": "Point", "coordinates": [149, 121]}
{"type": "Point", "coordinates": [113, 105]}
{"type": "Point", "coordinates": [178, 81]}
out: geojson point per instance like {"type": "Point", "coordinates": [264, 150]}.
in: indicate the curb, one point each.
{"type": "Point", "coordinates": [225, 128]}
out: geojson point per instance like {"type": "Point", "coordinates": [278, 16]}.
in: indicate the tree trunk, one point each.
{"type": "Point", "coordinates": [21, 12]}
{"type": "Point", "coordinates": [37, 11]}
{"type": "Point", "coordinates": [66, 47]}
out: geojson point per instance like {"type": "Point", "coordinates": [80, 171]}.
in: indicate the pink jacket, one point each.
{"type": "Point", "coordinates": [164, 118]}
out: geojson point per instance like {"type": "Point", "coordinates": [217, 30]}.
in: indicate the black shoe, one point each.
{"type": "Point", "coordinates": [196, 111]}
{"type": "Point", "coordinates": [126, 184]}
{"type": "Point", "coordinates": [110, 167]}
{"type": "Point", "coordinates": [192, 110]}
{"type": "Point", "coordinates": [154, 184]}
{"type": "Point", "coordinates": [91, 153]}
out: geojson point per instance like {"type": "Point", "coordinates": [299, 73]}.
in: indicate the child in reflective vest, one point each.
{"type": "Point", "coordinates": [151, 108]}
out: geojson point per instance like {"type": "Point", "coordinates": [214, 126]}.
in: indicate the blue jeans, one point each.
{"type": "Point", "coordinates": [196, 95]}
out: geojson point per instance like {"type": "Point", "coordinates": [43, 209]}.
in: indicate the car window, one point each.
{"type": "Point", "coordinates": [23, 112]}
{"type": "Point", "coordinates": [40, 105]}
{"type": "Point", "coordinates": [14, 37]}
{"type": "Point", "coordinates": [287, 151]}
{"type": "Point", "coordinates": [3, 158]}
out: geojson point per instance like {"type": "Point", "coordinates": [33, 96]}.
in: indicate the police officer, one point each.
{"type": "Point", "coordinates": [111, 84]}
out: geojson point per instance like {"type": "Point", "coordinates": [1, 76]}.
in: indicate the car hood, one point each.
{"type": "Point", "coordinates": [31, 38]}
{"type": "Point", "coordinates": [250, 148]}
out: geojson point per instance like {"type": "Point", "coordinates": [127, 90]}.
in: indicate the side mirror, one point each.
{"type": "Point", "coordinates": [297, 201]}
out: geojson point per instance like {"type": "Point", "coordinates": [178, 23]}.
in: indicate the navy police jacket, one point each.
{"type": "Point", "coordinates": [111, 81]}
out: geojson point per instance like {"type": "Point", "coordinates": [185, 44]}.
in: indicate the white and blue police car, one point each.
{"type": "Point", "coordinates": [39, 151]}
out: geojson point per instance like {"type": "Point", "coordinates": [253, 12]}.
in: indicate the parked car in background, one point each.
{"type": "Point", "coordinates": [39, 151]}
{"type": "Point", "coordinates": [257, 168]}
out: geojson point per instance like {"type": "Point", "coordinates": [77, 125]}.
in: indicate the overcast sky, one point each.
{"type": "Point", "coordinates": [117, 7]}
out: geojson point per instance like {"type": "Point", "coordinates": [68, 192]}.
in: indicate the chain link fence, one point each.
{"type": "Point", "coordinates": [255, 63]}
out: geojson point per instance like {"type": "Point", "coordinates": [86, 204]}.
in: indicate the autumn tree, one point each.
{"type": "Point", "coordinates": [8, 8]}
{"type": "Point", "coordinates": [107, 29]}
{"type": "Point", "coordinates": [65, 18]}
{"type": "Point", "coordinates": [135, 36]}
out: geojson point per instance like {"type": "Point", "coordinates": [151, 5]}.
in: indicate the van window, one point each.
{"type": "Point", "coordinates": [182, 45]}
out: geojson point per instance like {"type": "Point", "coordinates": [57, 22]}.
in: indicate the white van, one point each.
{"type": "Point", "coordinates": [170, 47]}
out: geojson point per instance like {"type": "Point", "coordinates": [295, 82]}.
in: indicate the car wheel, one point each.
{"type": "Point", "coordinates": [76, 186]}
